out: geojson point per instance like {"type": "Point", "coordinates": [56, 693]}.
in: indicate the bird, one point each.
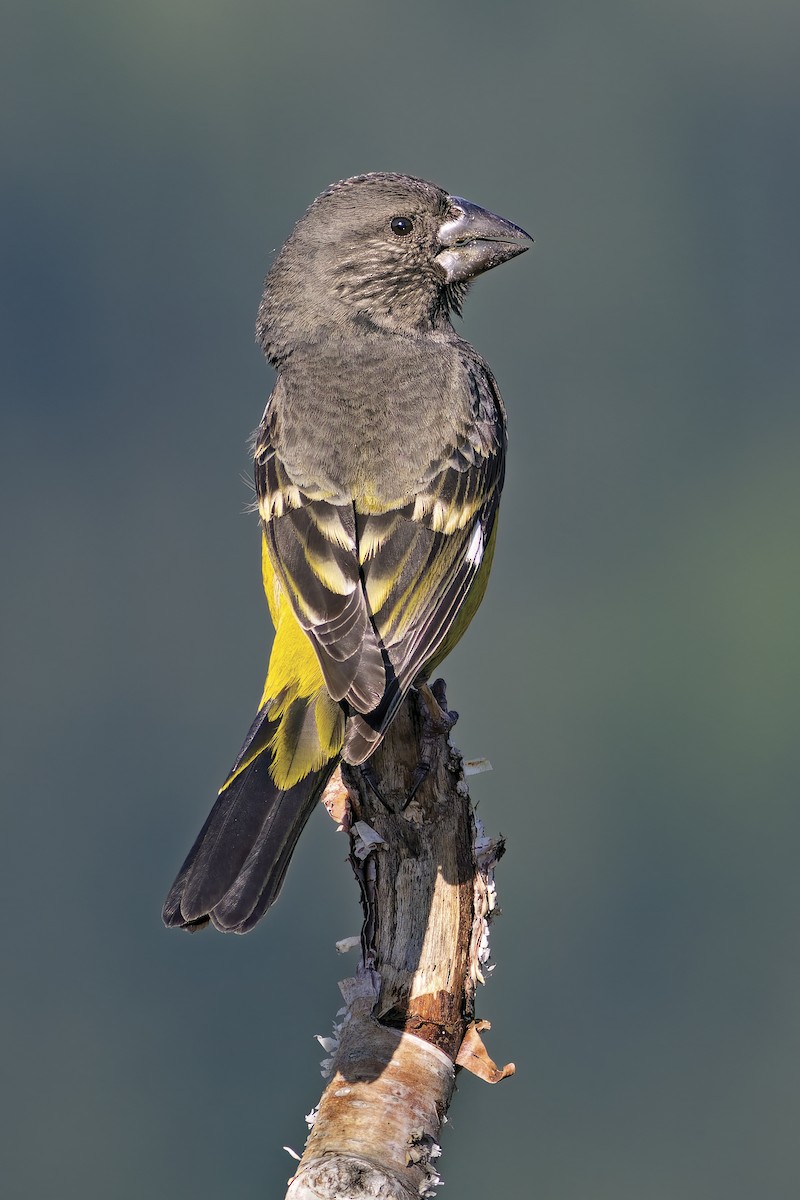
{"type": "Point", "coordinates": [379, 463]}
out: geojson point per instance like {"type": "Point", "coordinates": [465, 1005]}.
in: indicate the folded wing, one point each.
{"type": "Point", "coordinates": [379, 593]}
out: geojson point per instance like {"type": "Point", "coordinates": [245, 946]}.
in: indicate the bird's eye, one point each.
{"type": "Point", "coordinates": [401, 226]}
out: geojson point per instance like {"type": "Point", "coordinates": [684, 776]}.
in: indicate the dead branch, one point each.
{"type": "Point", "coordinates": [425, 871]}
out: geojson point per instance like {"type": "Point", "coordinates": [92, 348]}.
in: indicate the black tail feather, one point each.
{"type": "Point", "coordinates": [236, 867]}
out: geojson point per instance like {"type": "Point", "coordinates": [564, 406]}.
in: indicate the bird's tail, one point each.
{"type": "Point", "coordinates": [235, 869]}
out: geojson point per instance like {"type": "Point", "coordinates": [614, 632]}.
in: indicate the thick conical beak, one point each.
{"type": "Point", "coordinates": [474, 240]}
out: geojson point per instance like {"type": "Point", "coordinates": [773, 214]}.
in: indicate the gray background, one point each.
{"type": "Point", "coordinates": [633, 674]}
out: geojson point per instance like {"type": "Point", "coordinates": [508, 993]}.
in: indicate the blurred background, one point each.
{"type": "Point", "coordinates": [633, 674]}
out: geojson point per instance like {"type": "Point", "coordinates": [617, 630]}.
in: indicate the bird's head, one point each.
{"type": "Point", "coordinates": [381, 250]}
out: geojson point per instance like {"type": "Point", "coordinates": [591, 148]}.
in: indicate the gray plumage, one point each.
{"type": "Point", "coordinates": [385, 414]}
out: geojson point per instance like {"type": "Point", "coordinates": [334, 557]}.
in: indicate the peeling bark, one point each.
{"type": "Point", "coordinates": [425, 871]}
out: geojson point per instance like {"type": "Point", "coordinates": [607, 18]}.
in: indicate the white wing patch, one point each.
{"type": "Point", "coordinates": [475, 548]}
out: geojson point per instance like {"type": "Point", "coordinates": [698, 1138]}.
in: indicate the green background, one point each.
{"type": "Point", "coordinates": [633, 674]}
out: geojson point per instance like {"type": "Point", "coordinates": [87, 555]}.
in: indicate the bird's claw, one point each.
{"type": "Point", "coordinates": [368, 775]}
{"type": "Point", "coordinates": [421, 773]}
{"type": "Point", "coordinates": [437, 721]}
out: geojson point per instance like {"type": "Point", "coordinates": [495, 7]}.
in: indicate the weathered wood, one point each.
{"type": "Point", "coordinates": [427, 891]}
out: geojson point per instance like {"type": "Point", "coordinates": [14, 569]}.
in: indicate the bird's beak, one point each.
{"type": "Point", "coordinates": [474, 240]}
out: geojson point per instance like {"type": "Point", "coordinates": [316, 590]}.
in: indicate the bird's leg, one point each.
{"type": "Point", "coordinates": [437, 721]}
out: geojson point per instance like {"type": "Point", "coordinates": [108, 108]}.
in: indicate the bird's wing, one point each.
{"type": "Point", "coordinates": [311, 541]}
{"type": "Point", "coordinates": [378, 592]}
{"type": "Point", "coordinates": [420, 561]}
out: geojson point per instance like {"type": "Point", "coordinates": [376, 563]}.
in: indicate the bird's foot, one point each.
{"type": "Point", "coordinates": [437, 721]}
